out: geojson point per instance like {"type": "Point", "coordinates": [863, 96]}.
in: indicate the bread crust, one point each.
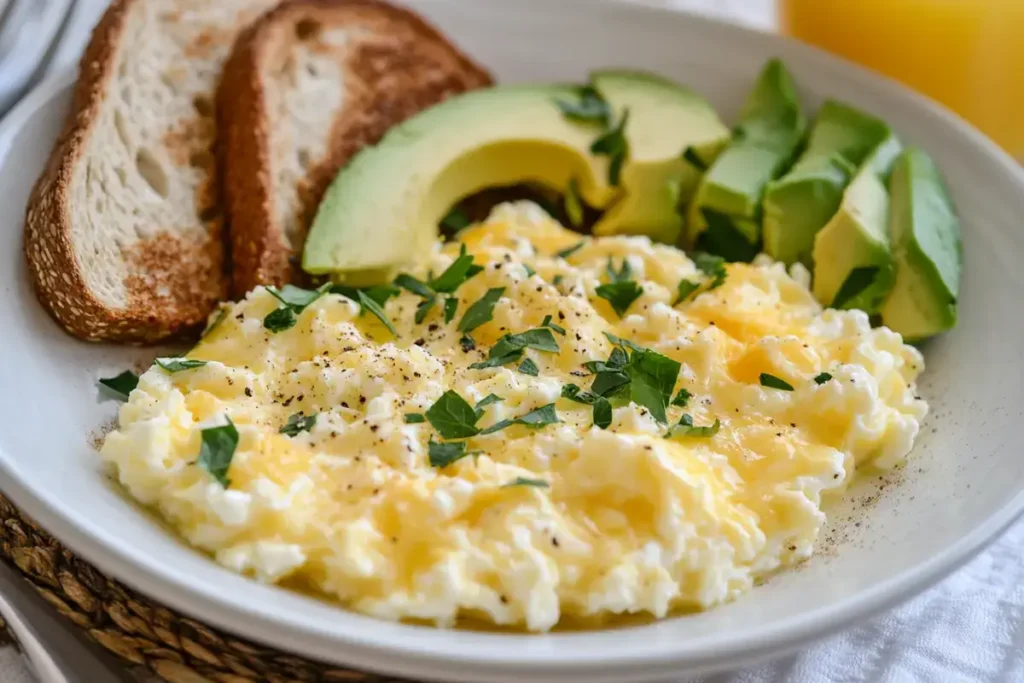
{"type": "Point", "coordinates": [172, 283]}
{"type": "Point", "coordinates": [261, 252]}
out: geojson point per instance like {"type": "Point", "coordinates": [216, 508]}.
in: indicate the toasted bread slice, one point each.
{"type": "Point", "coordinates": [123, 231]}
{"type": "Point", "coordinates": [308, 86]}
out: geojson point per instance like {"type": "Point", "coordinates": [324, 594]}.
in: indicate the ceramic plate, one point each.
{"type": "Point", "coordinates": [961, 487]}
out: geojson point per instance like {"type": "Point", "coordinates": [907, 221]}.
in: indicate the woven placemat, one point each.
{"type": "Point", "coordinates": [151, 639]}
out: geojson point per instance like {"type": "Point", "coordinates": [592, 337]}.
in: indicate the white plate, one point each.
{"type": "Point", "coordinates": [961, 487]}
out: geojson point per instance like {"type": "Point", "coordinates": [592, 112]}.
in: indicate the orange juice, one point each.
{"type": "Point", "coordinates": [967, 54]}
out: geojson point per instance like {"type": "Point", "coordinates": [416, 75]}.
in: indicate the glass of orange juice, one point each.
{"type": "Point", "coordinates": [966, 54]}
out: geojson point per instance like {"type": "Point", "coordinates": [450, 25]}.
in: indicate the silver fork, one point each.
{"type": "Point", "coordinates": [30, 32]}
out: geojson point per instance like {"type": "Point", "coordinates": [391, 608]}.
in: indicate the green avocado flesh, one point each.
{"type": "Point", "coordinates": [928, 252]}
{"type": "Point", "coordinates": [382, 210]}
{"type": "Point", "coordinates": [665, 121]}
{"type": "Point", "coordinates": [769, 131]}
{"type": "Point", "coordinates": [800, 203]}
{"type": "Point", "coordinates": [853, 262]}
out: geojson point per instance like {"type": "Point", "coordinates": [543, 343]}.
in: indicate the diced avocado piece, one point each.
{"type": "Point", "coordinates": [853, 261]}
{"type": "Point", "coordinates": [800, 203]}
{"type": "Point", "coordinates": [770, 128]}
{"type": "Point", "coordinates": [665, 120]}
{"type": "Point", "coordinates": [926, 242]}
{"type": "Point", "coordinates": [382, 210]}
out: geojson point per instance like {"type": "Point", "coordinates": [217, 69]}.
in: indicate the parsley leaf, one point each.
{"type": "Point", "coordinates": [573, 204]}
{"type": "Point", "coordinates": [417, 287]}
{"type": "Point", "coordinates": [223, 313]}
{"type": "Point", "coordinates": [484, 402]}
{"type": "Point", "coordinates": [368, 304]}
{"type": "Point", "coordinates": [602, 407]}
{"type": "Point", "coordinates": [173, 365]}
{"type": "Point", "coordinates": [686, 428]}
{"type": "Point", "coordinates": [511, 346]}
{"type": "Point", "coordinates": [615, 146]}
{"type": "Point", "coordinates": [591, 108]}
{"type": "Point", "coordinates": [467, 343]}
{"type": "Point", "coordinates": [652, 378]}
{"type": "Point", "coordinates": [530, 272]}
{"type": "Point", "coordinates": [602, 413]}
{"type": "Point", "coordinates": [461, 269]}
{"type": "Point", "coordinates": [525, 481]}
{"type": "Point", "coordinates": [381, 293]}
{"type": "Point", "coordinates": [298, 423]}
{"type": "Point", "coordinates": [528, 367]}
{"type": "Point", "coordinates": [569, 251]}
{"type": "Point", "coordinates": [819, 380]}
{"type": "Point", "coordinates": [296, 297]}
{"type": "Point", "coordinates": [682, 398]}
{"type": "Point", "coordinates": [424, 308]}
{"type": "Point", "coordinates": [451, 305]}
{"type": "Point", "coordinates": [574, 393]}
{"type": "Point", "coordinates": [623, 275]}
{"type": "Point", "coordinates": [537, 417]}
{"type": "Point", "coordinates": [557, 328]}
{"type": "Point", "coordinates": [452, 417]}
{"type": "Point", "coordinates": [482, 311]}
{"type": "Point", "coordinates": [456, 220]}
{"type": "Point", "coordinates": [620, 295]}
{"type": "Point", "coordinates": [557, 280]}
{"type": "Point", "coordinates": [122, 385]}
{"type": "Point", "coordinates": [773, 382]}
{"type": "Point", "coordinates": [711, 265]}
{"type": "Point", "coordinates": [684, 289]}
{"type": "Point", "coordinates": [217, 450]}
{"type": "Point", "coordinates": [609, 382]}
{"type": "Point", "coordinates": [625, 343]}
{"type": "Point", "coordinates": [280, 319]}
{"type": "Point", "coordinates": [444, 454]}
{"type": "Point", "coordinates": [414, 418]}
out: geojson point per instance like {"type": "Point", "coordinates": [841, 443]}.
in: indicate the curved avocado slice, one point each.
{"type": "Point", "coordinates": [800, 203]}
{"type": "Point", "coordinates": [926, 238]}
{"type": "Point", "coordinates": [382, 210]}
{"type": "Point", "coordinates": [725, 215]}
{"type": "Point", "coordinates": [853, 261]}
{"type": "Point", "coordinates": [666, 120]}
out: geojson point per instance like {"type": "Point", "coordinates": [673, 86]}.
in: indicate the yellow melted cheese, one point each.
{"type": "Point", "coordinates": [631, 522]}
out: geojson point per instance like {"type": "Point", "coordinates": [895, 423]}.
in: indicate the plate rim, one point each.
{"type": "Point", "coordinates": [147, 575]}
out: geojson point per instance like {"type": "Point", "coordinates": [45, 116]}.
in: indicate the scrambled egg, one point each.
{"type": "Point", "coordinates": [619, 520]}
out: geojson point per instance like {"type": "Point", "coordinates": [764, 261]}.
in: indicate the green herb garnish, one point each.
{"type": "Point", "coordinates": [482, 311]}
{"type": "Point", "coordinates": [461, 269]}
{"type": "Point", "coordinates": [424, 308]}
{"type": "Point", "coordinates": [417, 287]}
{"type": "Point", "coordinates": [525, 481]}
{"type": "Point", "coordinates": [414, 418]}
{"type": "Point", "coordinates": [456, 220]}
{"type": "Point", "coordinates": [367, 303]}
{"type": "Point", "coordinates": [573, 204]}
{"type": "Point", "coordinates": [711, 265]}
{"type": "Point", "coordinates": [217, 450]}
{"type": "Point", "coordinates": [682, 398]}
{"type": "Point", "coordinates": [569, 251]}
{"type": "Point", "coordinates": [684, 289]}
{"type": "Point", "coordinates": [686, 428]}
{"type": "Point", "coordinates": [510, 347]}
{"type": "Point", "coordinates": [444, 454]}
{"type": "Point", "coordinates": [773, 382]}
{"type": "Point", "coordinates": [223, 313]}
{"type": "Point", "coordinates": [467, 343]}
{"type": "Point", "coordinates": [557, 280]}
{"type": "Point", "coordinates": [591, 108]}
{"type": "Point", "coordinates": [602, 407]}
{"type": "Point", "coordinates": [614, 145]}
{"type": "Point", "coordinates": [646, 378]}
{"type": "Point", "coordinates": [557, 328]}
{"type": "Point", "coordinates": [298, 423]}
{"type": "Point", "coordinates": [173, 365]}
{"type": "Point", "coordinates": [625, 343]}
{"type": "Point", "coordinates": [381, 293]}
{"type": "Point", "coordinates": [484, 402]}
{"type": "Point", "coordinates": [822, 378]}
{"type": "Point", "coordinates": [723, 238]}
{"type": "Point", "coordinates": [620, 295]}
{"type": "Point", "coordinates": [624, 274]}
{"type": "Point", "coordinates": [602, 413]}
{"type": "Point", "coordinates": [537, 417]}
{"type": "Point", "coordinates": [453, 417]}
{"type": "Point", "coordinates": [295, 297]}
{"type": "Point", "coordinates": [530, 272]}
{"type": "Point", "coordinates": [451, 305]}
{"type": "Point", "coordinates": [528, 367]}
{"type": "Point", "coordinates": [280, 319]}
{"type": "Point", "coordinates": [122, 385]}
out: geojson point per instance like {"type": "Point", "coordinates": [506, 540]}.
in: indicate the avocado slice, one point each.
{"type": "Point", "coordinates": [853, 261]}
{"type": "Point", "coordinates": [383, 209]}
{"type": "Point", "coordinates": [665, 121]}
{"type": "Point", "coordinates": [770, 128]}
{"type": "Point", "coordinates": [926, 239]}
{"type": "Point", "coordinates": [800, 203]}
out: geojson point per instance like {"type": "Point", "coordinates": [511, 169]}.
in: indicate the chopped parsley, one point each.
{"type": "Point", "coordinates": [444, 454]}
{"type": "Point", "coordinates": [620, 295]}
{"type": "Point", "coordinates": [602, 413]}
{"type": "Point", "coordinates": [625, 343]}
{"type": "Point", "coordinates": [424, 308]}
{"type": "Point", "coordinates": [217, 450]}
{"type": "Point", "coordinates": [537, 417]}
{"type": "Point", "coordinates": [569, 251]}
{"type": "Point", "coordinates": [461, 269]}
{"type": "Point", "coordinates": [122, 385]}
{"type": "Point", "coordinates": [298, 423]}
{"type": "Point", "coordinates": [451, 305]}
{"type": "Point", "coordinates": [573, 204]}
{"type": "Point", "coordinates": [367, 303]}
{"type": "Point", "coordinates": [711, 265]}
{"type": "Point", "coordinates": [624, 274]}
{"type": "Point", "coordinates": [280, 319]}
{"type": "Point", "coordinates": [557, 280]}
{"type": "Point", "coordinates": [602, 407]}
{"type": "Point", "coordinates": [417, 287]}
{"type": "Point", "coordinates": [221, 314]}
{"type": "Point", "coordinates": [646, 377]}
{"type": "Point", "coordinates": [530, 272]}
{"type": "Point", "coordinates": [510, 347]}
{"type": "Point", "coordinates": [682, 398]}
{"type": "Point", "coordinates": [686, 428]}
{"type": "Point", "coordinates": [526, 481]}
{"type": "Point", "coordinates": [294, 300]}
{"type": "Point", "coordinates": [684, 289]}
{"type": "Point", "coordinates": [482, 311]}
{"type": "Point", "coordinates": [414, 418]}
{"type": "Point", "coordinates": [453, 417]}
{"type": "Point", "coordinates": [528, 367]}
{"type": "Point", "coordinates": [467, 343]}
{"type": "Point", "coordinates": [773, 382]}
{"type": "Point", "coordinates": [484, 402]}
{"type": "Point", "coordinates": [819, 380]}
{"type": "Point", "coordinates": [173, 365]}
{"type": "Point", "coordinates": [456, 220]}
{"type": "Point", "coordinates": [557, 328]}
{"type": "Point", "coordinates": [590, 108]}
{"type": "Point", "coordinates": [614, 145]}
{"type": "Point", "coordinates": [381, 293]}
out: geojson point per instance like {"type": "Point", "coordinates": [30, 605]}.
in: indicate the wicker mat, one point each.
{"type": "Point", "coordinates": [150, 638]}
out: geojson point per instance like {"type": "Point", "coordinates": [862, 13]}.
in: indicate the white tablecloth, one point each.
{"type": "Point", "coordinates": [968, 628]}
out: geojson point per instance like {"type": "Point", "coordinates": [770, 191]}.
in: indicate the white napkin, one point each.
{"type": "Point", "coordinates": [968, 628]}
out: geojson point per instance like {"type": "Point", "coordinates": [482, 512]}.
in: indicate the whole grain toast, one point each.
{"type": "Point", "coordinates": [123, 230]}
{"type": "Point", "coordinates": [306, 87]}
